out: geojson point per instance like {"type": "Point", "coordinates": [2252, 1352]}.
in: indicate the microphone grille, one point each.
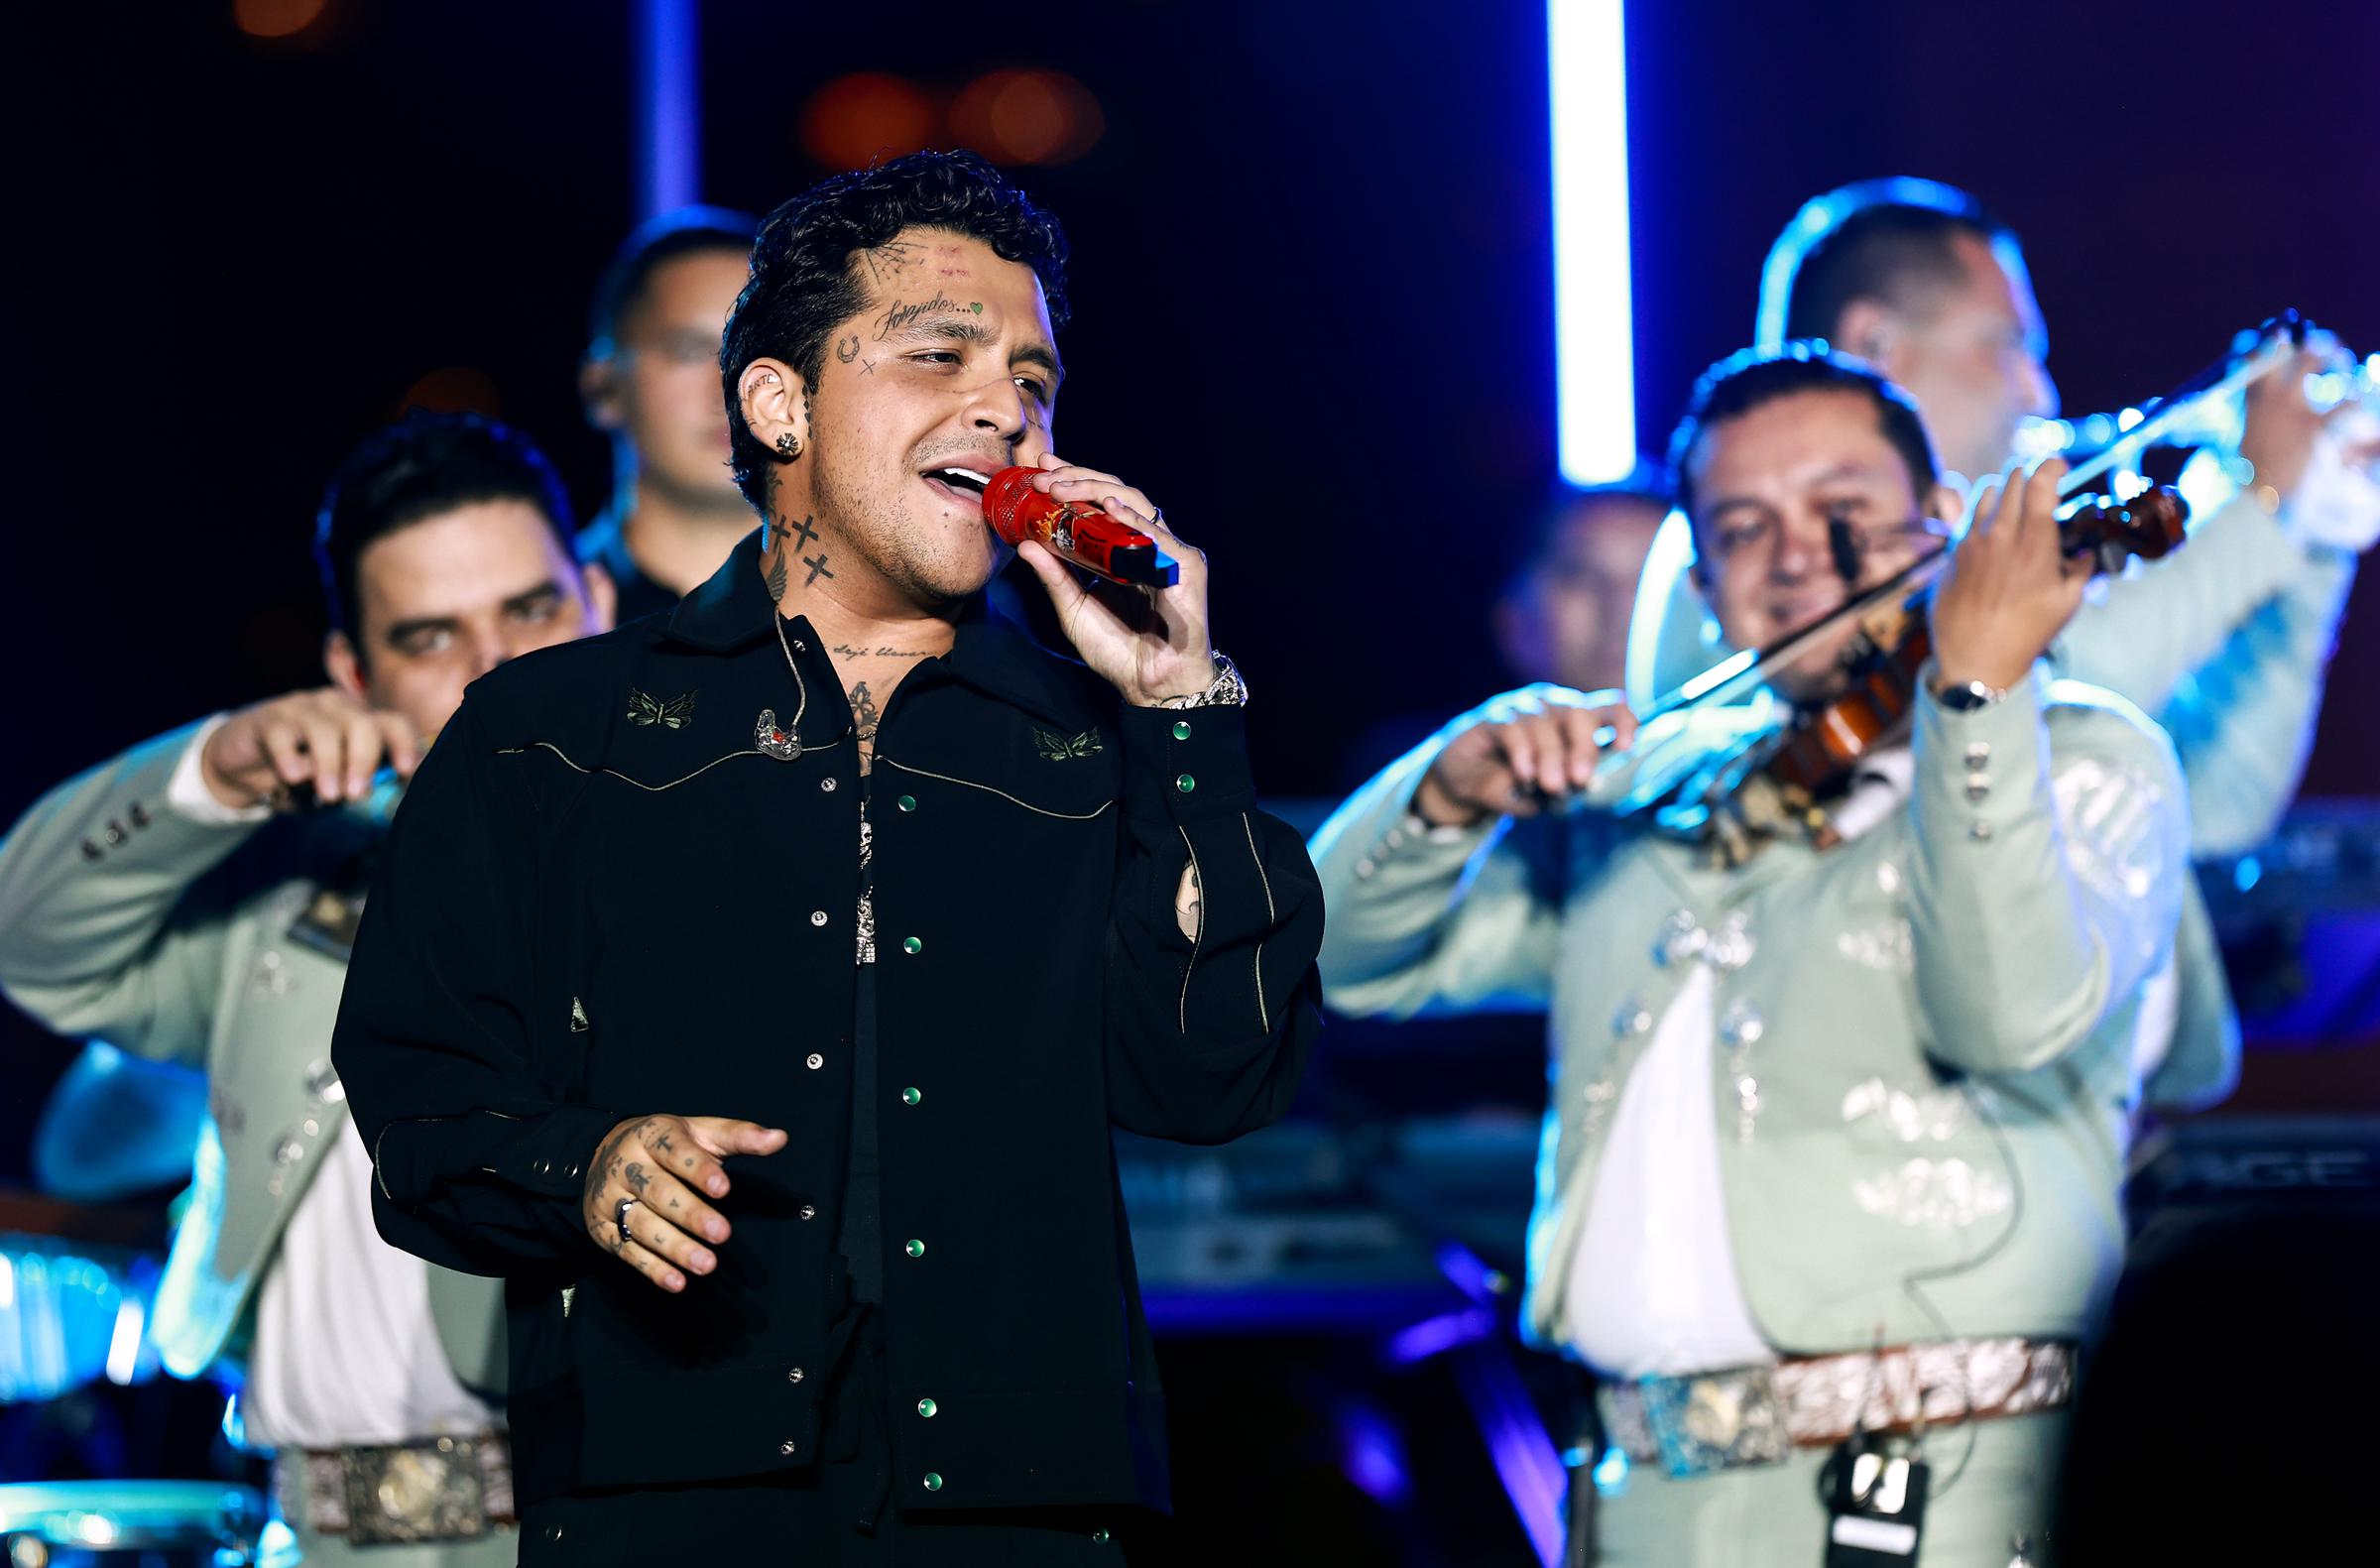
{"type": "Point", "coordinates": [1005, 500]}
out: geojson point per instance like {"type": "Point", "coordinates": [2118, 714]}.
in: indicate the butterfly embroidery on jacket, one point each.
{"type": "Point", "coordinates": [1057, 749]}
{"type": "Point", "coordinates": [645, 709]}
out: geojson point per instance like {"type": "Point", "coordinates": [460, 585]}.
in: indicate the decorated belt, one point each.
{"type": "Point", "coordinates": [1758, 1415]}
{"type": "Point", "coordinates": [439, 1489]}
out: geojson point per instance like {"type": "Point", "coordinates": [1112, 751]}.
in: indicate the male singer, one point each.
{"type": "Point", "coordinates": [802, 1254]}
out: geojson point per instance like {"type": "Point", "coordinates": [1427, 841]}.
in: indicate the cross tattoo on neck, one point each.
{"type": "Point", "coordinates": [817, 565]}
{"type": "Point", "coordinates": [802, 533]}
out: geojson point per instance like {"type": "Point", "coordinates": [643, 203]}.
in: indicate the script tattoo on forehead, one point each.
{"type": "Point", "coordinates": [900, 314]}
{"type": "Point", "coordinates": [892, 259]}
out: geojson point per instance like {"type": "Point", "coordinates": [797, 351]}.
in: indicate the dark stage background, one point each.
{"type": "Point", "coordinates": [1312, 283]}
{"type": "Point", "coordinates": [1311, 276]}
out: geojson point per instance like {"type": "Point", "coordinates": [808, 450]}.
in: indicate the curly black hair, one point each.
{"type": "Point", "coordinates": [804, 283]}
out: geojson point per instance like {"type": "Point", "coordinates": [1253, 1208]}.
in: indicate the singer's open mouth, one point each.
{"type": "Point", "coordinates": [963, 486]}
{"type": "Point", "coordinates": [966, 479]}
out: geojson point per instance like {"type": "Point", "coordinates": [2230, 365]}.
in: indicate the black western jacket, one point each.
{"type": "Point", "coordinates": [607, 894]}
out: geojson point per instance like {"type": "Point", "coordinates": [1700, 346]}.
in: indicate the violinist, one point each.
{"type": "Point", "coordinates": [2226, 644]}
{"type": "Point", "coordinates": [1839, 1105]}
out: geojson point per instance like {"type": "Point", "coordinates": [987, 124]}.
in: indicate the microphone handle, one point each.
{"type": "Point", "coordinates": [1097, 542]}
{"type": "Point", "coordinates": [1076, 533]}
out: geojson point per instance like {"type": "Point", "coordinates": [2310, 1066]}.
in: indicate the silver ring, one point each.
{"type": "Point", "coordinates": [621, 1215]}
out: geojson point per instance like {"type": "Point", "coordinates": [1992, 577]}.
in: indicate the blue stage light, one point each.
{"type": "Point", "coordinates": [1595, 347]}
{"type": "Point", "coordinates": [668, 105]}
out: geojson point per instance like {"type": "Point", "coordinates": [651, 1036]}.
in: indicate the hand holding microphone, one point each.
{"type": "Point", "coordinates": [1073, 530]}
{"type": "Point", "coordinates": [1147, 636]}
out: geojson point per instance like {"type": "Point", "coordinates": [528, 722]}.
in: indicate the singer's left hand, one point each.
{"type": "Point", "coordinates": [1149, 643]}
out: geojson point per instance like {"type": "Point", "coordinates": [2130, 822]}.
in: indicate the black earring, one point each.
{"type": "Point", "coordinates": [789, 446]}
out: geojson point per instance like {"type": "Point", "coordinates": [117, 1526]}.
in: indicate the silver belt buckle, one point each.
{"type": "Point", "coordinates": [1718, 1420]}
{"type": "Point", "coordinates": [414, 1492]}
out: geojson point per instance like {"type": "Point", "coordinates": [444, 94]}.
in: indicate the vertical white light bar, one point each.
{"type": "Point", "coordinates": [1595, 349]}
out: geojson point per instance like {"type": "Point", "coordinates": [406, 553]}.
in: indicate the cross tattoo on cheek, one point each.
{"type": "Point", "coordinates": [817, 565]}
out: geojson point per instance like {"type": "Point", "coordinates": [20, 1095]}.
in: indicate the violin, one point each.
{"type": "Point", "coordinates": [1722, 728]}
{"type": "Point", "coordinates": [1815, 752]}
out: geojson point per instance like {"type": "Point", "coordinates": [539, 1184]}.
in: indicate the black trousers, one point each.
{"type": "Point", "coordinates": [830, 1514]}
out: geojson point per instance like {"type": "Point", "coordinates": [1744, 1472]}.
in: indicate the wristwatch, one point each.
{"type": "Point", "coordinates": [1227, 689]}
{"type": "Point", "coordinates": [1968, 696]}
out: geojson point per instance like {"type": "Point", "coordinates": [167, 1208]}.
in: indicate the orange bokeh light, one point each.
{"type": "Point", "coordinates": [1027, 117]}
{"type": "Point", "coordinates": [453, 389]}
{"type": "Point", "coordinates": [275, 17]}
{"type": "Point", "coordinates": [854, 120]}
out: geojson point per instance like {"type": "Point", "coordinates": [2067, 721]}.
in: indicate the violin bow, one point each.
{"type": "Point", "coordinates": [1739, 673]}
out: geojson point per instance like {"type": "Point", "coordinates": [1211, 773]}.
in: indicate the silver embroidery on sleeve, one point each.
{"type": "Point", "coordinates": [2111, 820]}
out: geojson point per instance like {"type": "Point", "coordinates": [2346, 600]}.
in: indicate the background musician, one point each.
{"type": "Point", "coordinates": [1800, 1100]}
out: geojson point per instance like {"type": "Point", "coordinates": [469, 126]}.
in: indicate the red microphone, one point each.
{"type": "Point", "coordinates": [1072, 531]}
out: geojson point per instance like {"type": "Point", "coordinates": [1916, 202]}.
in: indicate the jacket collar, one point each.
{"type": "Point", "coordinates": [732, 611]}
{"type": "Point", "coordinates": [728, 610]}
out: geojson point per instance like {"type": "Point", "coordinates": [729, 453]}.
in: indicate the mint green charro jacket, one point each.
{"type": "Point", "coordinates": [171, 938]}
{"type": "Point", "coordinates": [2225, 642]}
{"type": "Point", "coordinates": [1937, 1019]}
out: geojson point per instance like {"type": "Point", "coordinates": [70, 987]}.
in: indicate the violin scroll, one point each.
{"type": "Point", "coordinates": [2151, 526]}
